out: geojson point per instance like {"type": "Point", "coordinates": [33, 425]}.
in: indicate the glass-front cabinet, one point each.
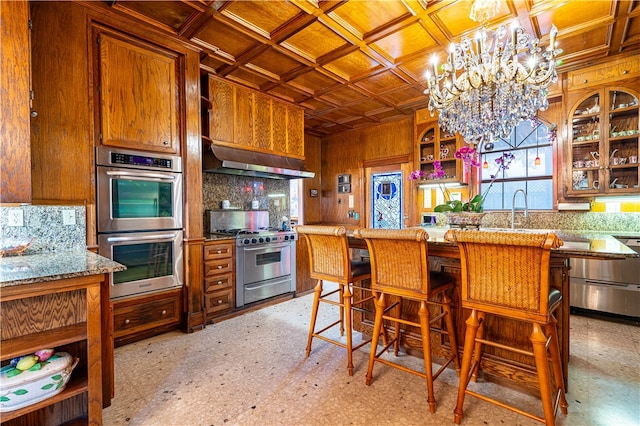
{"type": "Point", "coordinates": [433, 145]}
{"type": "Point", "coordinates": [604, 143]}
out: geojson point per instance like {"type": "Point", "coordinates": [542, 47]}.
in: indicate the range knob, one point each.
{"type": "Point", "coordinates": [254, 241]}
{"type": "Point", "coordinates": [267, 239]}
{"type": "Point", "coordinates": [246, 241]}
{"type": "Point", "coordinates": [261, 240]}
{"type": "Point", "coordinates": [286, 238]}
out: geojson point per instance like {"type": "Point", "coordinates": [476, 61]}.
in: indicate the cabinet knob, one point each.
{"type": "Point", "coordinates": [164, 312]}
{"type": "Point", "coordinates": [625, 71]}
{"type": "Point", "coordinates": [220, 282]}
{"type": "Point", "coordinates": [585, 80]}
{"type": "Point", "coordinates": [219, 251]}
{"type": "Point", "coordinates": [219, 301]}
{"type": "Point", "coordinates": [219, 266]}
{"type": "Point", "coordinates": [34, 114]}
{"type": "Point", "coordinates": [165, 143]}
{"type": "Point", "coordinates": [127, 321]}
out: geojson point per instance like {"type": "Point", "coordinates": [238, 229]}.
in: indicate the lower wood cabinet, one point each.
{"type": "Point", "coordinates": [219, 278]}
{"type": "Point", "coordinates": [145, 316]}
{"type": "Point", "coordinates": [65, 315]}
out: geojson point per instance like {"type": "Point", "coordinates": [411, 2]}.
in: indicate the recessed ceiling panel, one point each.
{"type": "Point", "coordinates": [404, 42]}
{"type": "Point", "coordinates": [352, 65]}
{"type": "Point", "coordinates": [313, 41]}
{"type": "Point", "coordinates": [313, 82]}
{"type": "Point", "coordinates": [403, 96]}
{"type": "Point", "coordinates": [286, 93]}
{"type": "Point", "coordinates": [362, 107]}
{"type": "Point", "coordinates": [274, 62]}
{"type": "Point", "coordinates": [454, 19]}
{"type": "Point", "coordinates": [248, 78]}
{"type": "Point", "coordinates": [171, 14]}
{"type": "Point", "coordinates": [260, 16]}
{"type": "Point", "coordinates": [381, 82]}
{"type": "Point", "coordinates": [569, 15]}
{"type": "Point", "coordinates": [584, 43]}
{"type": "Point", "coordinates": [343, 95]}
{"type": "Point", "coordinates": [364, 17]}
{"type": "Point", "coordinates": [222, 37]}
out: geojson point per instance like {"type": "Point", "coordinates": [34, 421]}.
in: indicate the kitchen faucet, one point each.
{"type": "Point", "coordinates": [513, 207]}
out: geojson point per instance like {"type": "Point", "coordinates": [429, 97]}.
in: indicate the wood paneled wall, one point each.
{"type": "Point", "coordinates": [312, 206]}
{"type": "Point", "coordinates": [345, 153]}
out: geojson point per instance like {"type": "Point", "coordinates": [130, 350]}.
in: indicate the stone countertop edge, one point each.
{"type": "Point", "coordinates": [217, 237]}
{"type": "Point", "coordinates": [51, 266]}
{"type": "Point", "coordinates": [577, 243]}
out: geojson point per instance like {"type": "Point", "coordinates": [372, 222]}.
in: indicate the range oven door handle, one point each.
{"type": "Point", "coordinates": [141, 175]}
{"type": "Point", "coordinates": [142, 238]}
{"type": "Point", "coordinates": [267, 247]}
{"type": "Point", "coordinates": [606, 283]}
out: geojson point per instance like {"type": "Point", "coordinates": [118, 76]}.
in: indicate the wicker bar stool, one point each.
{"type": "Point", "coordinates": [329, 260]}
{"type": "Point", "coordinates": [400, 270]}
{"type": "Point", "coordinates": [507, 274]}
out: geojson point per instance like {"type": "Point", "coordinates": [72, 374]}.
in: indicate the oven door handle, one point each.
{"type": "Point", "coordinates": [140, 175]}
{"type": "Point", "coordinates": [606, 283]}
{"type": "Point", "coordinates": [142, 238]}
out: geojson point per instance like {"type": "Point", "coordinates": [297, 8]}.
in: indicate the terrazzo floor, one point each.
{"type": "Point", "coordinates": [252, 370]}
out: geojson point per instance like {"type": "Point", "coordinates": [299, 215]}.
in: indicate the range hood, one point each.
{"type": "Point", "coordinates": [235, 161]}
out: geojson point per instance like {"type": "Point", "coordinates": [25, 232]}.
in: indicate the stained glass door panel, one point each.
{"type": "Point", "coordinates": [386, 193]}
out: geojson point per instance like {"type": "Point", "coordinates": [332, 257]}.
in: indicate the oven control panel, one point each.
{"type": "Point", "coordinates": [265, 239]}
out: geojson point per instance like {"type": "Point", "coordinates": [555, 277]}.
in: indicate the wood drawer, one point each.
{"type": "Point", "coordinates": [132, 318]}
{"type": "Point", "coordinates": [215, 283]}
{"type": "Point", "coordinates": [219, 250]}
{"type": "Point", "coordinates": [219, 301]}
{"type": "Point", "coordinates": [215, 267]}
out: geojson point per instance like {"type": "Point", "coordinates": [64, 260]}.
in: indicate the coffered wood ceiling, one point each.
{"type": "Point", "coordinates": [355, 63]}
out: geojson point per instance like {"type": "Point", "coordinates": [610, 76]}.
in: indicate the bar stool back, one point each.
{"type": "Point", "coordinates": [329, 260]}
{"type": "Point", "coordinates": [400, 270]}
{"type": "Point", "coordinates": [507, 274]}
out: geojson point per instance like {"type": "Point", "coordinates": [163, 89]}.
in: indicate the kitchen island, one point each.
{"type": "Point", "coordinates": [60, 300]}
{"type": "Point", "coordinates": [500, 364]}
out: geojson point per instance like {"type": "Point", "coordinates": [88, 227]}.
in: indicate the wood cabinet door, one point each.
{"type": "Point", "coordinates": [262, 111]}
{"type": "Point", "coordinates": [137, 93]}
{"type": "Point", "coordinates": [221, 116]}
{"type": "Point", "coordinates": [295, 131]}
{"type": "Point", "coordinates": [243, 117]}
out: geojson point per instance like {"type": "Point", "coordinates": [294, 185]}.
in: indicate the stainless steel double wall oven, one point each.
{"type": "Point", "coordinates": [139, 218]}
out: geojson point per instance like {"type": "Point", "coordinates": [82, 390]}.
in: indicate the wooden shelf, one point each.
{"type": "Point", "coordinates": [77, 385]}
{"type": "Point", "coordinates": [30, 343]}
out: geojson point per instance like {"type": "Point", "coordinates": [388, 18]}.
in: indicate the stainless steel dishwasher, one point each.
{"type": "Point", "coordinates": [611, 286]}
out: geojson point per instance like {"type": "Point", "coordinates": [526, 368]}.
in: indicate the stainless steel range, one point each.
{"type": "Point", "coordinates": [265, 257]}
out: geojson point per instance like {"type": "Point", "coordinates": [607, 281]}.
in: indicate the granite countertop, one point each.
{"type": "Point", "coordinates": [594, 244]}
{"type": "Point", "coordinates": [36, 268]}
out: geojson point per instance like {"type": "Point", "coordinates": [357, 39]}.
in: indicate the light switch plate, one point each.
{"type": "Point", "coordinates": [68, 217]}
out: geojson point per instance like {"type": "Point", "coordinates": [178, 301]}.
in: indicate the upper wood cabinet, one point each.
{"type": "Point", "coordinates": [251, 120]}
{"type": "Point", "coordinates": [604, 143]}
{"type": "Point", "coordinates": [434, 144]}
{"type": "Point", "coordinates": [137, 93]}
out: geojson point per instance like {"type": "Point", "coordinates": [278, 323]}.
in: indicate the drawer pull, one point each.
{"type": "Point", "coordinates": [220, 282]}
{"type": "Point", "coordinates": [219, 301]}
{"type": "Point", "coordinates": [219, 266]}
{"type": "Point", "coordinates": [164, 312]}
{"type": "Point", "coordinates": [127, 321]}
{"type": "Point", "coordinates": [219, 251]}
{"type": "Point", "coordinates": [165, 142]}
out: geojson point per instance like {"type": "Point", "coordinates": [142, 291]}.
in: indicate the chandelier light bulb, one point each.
{"type": "Point", "coordinates": [485, 165]}
{"type": "Point", "coordinates": [537, 161]}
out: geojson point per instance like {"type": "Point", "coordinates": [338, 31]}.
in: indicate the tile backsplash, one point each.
{"type": "Point", "coordinates": [272, 194]}
{"type": "Point", "coordinates": [45, 225]}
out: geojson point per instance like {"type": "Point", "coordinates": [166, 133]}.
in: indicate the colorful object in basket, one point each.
{"type": "Point", "coordinates": [34, 378]}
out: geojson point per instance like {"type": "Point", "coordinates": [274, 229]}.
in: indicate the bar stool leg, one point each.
{"type": "Point", "coordinates": [347, 299]}
{"type": "Point", "coordinates": [341, 297]}
{"type": "Point", "coordinates": [377, 326]}
{"type": "Point", "coordinates": [554, 350]}
{"type": "Point", "coordinates": [314, 314]}
{"type": "Point", "coordinates": [396, 342]}
{"type": "Point", "coordinates": [478, 347]}
{"type": "Point", "coordinates": [539, 342]}
{"type": "Point", "coordinates": [451, 331]}
{"type": "Point", "coordinates": [423, 314]}
{"type": "Point", "coordinates": [469, 342]}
